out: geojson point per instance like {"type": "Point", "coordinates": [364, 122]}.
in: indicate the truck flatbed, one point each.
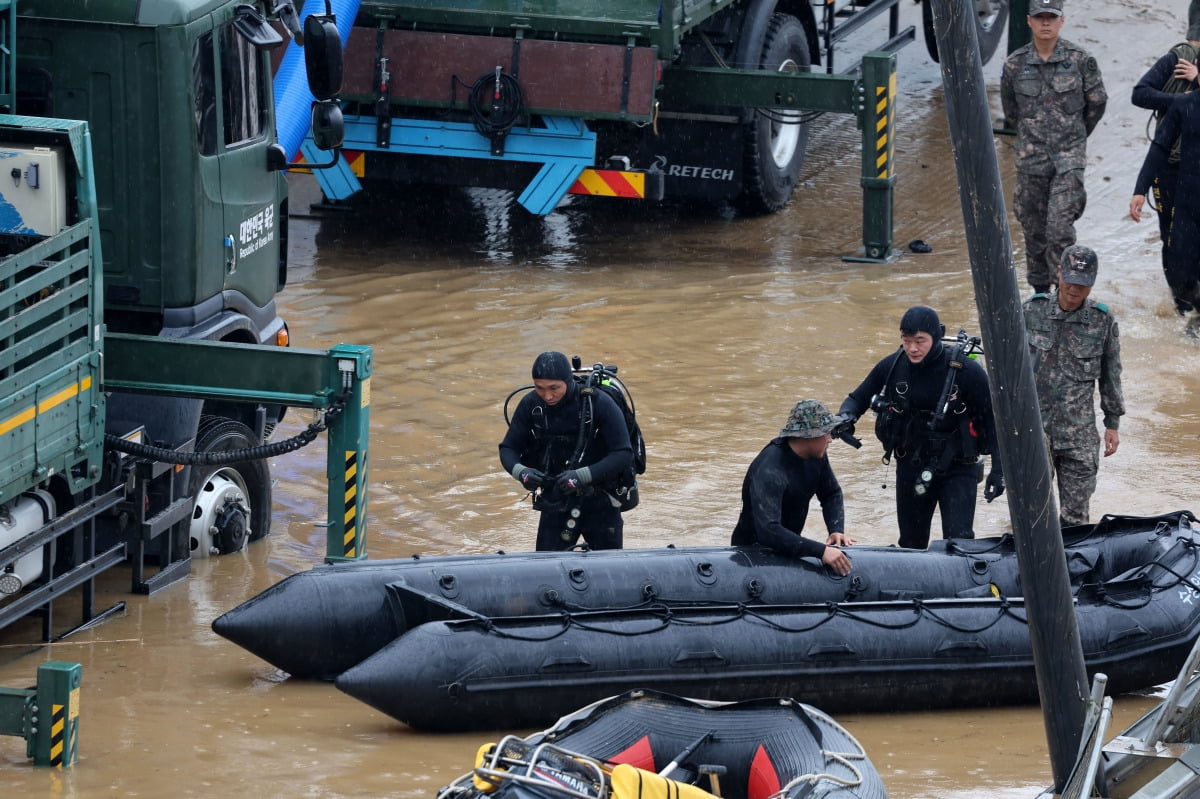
{"type": "Point", "coordinates": [579, 20]}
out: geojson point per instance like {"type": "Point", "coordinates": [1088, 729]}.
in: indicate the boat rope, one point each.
{"type": "Point", "coordinates": [812, 779]}
{"type": "Point", "coordinates": [1147, 588]}
{"type": "Point", "coordinates": [662, 618]}
{"type": "Point", "coordinates": [652, 615]}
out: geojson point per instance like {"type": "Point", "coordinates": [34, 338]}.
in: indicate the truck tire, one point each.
{"type": "Point", "coordinates": [234, 499]}
{"type": "Point", "coordinates": [991, 20]}
{"type": "Point", "coordinates": [774, 142]}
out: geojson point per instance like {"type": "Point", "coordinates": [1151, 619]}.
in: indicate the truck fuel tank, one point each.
{"type": "Point", "coordinates": [23, 516]}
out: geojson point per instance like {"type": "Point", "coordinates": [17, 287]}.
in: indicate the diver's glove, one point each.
{"type": "Point", "coordinates": [532, 479]}
{"type": "Point", "coordinates": [572, 481]}
{"type": "Point", "coordinates": [994, 486]}
{"type": "Point", "coordinates": [844, 429]}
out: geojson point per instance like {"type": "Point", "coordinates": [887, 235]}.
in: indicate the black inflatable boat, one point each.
{"type": "Point", "coordinates": [321, 622]}
{"type": "Point", "coordinates": [649, 745]}
{"type": "Point", "coordinates": [1137, 603]}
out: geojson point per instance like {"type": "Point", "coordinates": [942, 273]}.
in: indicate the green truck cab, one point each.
{"type": "Point", "coordinates": [192, 223]}
{"type": "Point", "coordinates": [145, 198]}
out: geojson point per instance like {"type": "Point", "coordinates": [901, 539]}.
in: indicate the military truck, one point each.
{"type": "Point", "coordinates": [627, 98]}
{"type": "Point", "coordinates": [144, 197]}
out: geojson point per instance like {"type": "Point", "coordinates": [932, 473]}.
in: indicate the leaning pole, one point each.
{"type": "Point", "coordinates": [1053, 627]}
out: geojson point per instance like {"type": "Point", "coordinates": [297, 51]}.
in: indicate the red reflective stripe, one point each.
{"type": "Point", "coordinates": [608, 183]}
{"type": "Point", "coordinates": [764, 779]}
{"type": "Point", "coordinates": [638, 755]}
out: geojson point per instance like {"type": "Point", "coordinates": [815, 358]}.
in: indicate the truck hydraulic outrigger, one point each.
{"type": "Point", "coordinates": [300, 378]}
{"type": "Point", "coordinates": [869, 95]}
{"type": "Point", "coordinates": [306, 378]}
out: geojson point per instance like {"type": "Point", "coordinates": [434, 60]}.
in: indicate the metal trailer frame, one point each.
{"type": "Point", "coordinates": [240, 372]}
{"type": "Point", "coordinates": [304, 378]}
{"type": "Point", "coordinates": [564, 148]}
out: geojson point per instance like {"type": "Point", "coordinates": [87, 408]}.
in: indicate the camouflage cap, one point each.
{"type": "Point", "coordinates": [1079, 265]}
{"type": "Point", "coordinates": [809, 419]}
{"type": "Point", "coordinates": [1054, 7]}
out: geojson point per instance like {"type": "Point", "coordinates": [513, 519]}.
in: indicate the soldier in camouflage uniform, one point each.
{"type": "Point", "coordinates": [1053, 96]}
{"type": "Point", "coordinates": [1074, 344]}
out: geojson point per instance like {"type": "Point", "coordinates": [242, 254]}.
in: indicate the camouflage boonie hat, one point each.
{"type": "Point", "coordinates": [1045, 7]}
{"type": "Point", "coordinates": [809, 419]}
{"type": "Point", "coordinates": [1079, 265]}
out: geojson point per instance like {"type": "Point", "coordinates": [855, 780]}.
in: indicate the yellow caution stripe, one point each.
{"type": "Point", "coordinates": [610, 183]}
{"type": "Point", "coordinates": [350, 517]}
{"type": "Point", "coordinates": [885, 118]}
{"type": "Point", "coordinates": [30, 413]}
{"type": "Point", "coordinates": [58, 731]}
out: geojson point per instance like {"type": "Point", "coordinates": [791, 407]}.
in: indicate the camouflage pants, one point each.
{"type": "Point", "coordinates": [1075, 473]}
{"type": "Point", "coordinates": [1047, 207]}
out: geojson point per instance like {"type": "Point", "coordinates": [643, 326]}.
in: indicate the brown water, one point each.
{"type": "Point", "coordinates": [719, 325]}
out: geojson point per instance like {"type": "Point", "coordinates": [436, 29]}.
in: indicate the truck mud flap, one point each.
{"type": "Point", "coordinates": [699, 158]}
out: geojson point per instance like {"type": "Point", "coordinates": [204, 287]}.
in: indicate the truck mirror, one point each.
{"type": "Point", "coordinates": [254, 28]}
{"type": "Point", "coordinates": [328, 129]}
{"type": "Point", "coordinates": [322, 56]}
{"type": "Point", "coordinates": [276, 157]}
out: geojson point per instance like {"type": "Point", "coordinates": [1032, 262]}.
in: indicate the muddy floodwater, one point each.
{"type": "Point", "coordinates": [718, 324]}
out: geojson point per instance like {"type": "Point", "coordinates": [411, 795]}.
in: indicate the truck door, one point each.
{"type": "Point", "coordinates": [233, 131]}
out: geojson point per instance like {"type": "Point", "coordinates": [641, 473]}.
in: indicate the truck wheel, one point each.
{"type": "Point", "coordinates": [233, 503]}
{"type": "Point", "coordinates": [991, 20]}
{"type": "Point", "coordinates": [775, 139]}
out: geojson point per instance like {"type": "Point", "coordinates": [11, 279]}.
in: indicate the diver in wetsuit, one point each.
{"type": "Point", "coordinates": [1173, 74]}
{"type": "Point", "coordinates": [1182, 260]}
{"type": "Point", "coordinates": [569, 459]}
{"type": "Point", "coordinates": [782, 481]}
{"type": "Point", "coordinates": [934, 414]}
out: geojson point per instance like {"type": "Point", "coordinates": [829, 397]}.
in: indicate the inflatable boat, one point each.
{"type": "Point", "coordinates": [649, 745]}
{"type": "Point", "coordinates": [1137, 626]}
{"type": "Point", "coordinates": [319, 623]}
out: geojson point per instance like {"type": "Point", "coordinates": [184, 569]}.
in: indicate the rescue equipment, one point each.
{"type": "Point", "coordinates": [1187, 52]}
{"type": "Point", "coordinates": [645, 745]}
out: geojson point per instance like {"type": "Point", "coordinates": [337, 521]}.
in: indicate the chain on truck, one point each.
{"type": "Point", "coordinates": [683, 99]}
{"type": "Point", "coordinates": [143, 241]}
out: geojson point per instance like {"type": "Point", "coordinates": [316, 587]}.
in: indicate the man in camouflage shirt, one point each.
{"type": "Point", "coordinates": [1053, 96]}
{"type": "Point", "coordinates": [1074, 344]}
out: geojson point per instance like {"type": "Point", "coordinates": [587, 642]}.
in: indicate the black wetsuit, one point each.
{"type": "Point", "coordinates": [546, 437]}
{"type": "Point", "coordinates": [776, 493]}
{"type": "Point", "coordinates": [948, 453]}
{"type": "Point", "coordinates": [1182, 257]}
{"type": "Point", "coordinates": [1148, 93]}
